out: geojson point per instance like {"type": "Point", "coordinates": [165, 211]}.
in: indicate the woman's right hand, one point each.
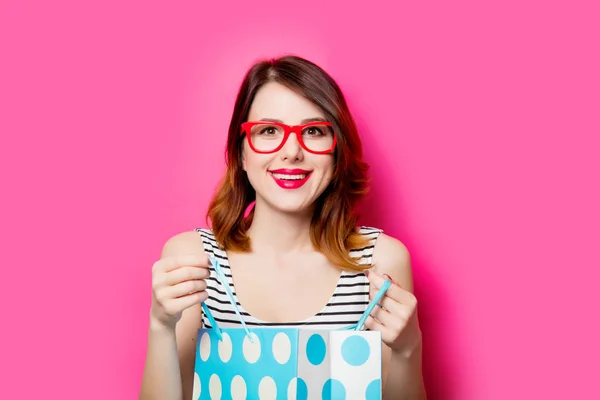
{"type": "Point", "coordinates": [178, 283]}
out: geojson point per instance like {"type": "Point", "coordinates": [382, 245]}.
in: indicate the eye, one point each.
{"type": "Point", "coordinates": [268, 130]}
{"type": "Point", "coordinates": [318, 131]}
{"type": "Point", "coordinates": [313, 131]}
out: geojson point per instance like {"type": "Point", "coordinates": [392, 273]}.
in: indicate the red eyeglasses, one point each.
{"type": "Point", "coordinates": [269, 137]}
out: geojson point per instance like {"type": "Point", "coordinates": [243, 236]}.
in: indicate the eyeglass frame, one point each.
{"type": "Point", "coordinates": [287, 131]}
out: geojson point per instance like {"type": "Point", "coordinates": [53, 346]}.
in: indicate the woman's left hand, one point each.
{"type": "Point", "coordinates": [395, 316]}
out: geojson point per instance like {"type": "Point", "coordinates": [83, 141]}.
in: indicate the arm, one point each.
{"type": "Point", "coordinates": [402, 355]}
{"type": "Point", "coordinates": [169, 367]}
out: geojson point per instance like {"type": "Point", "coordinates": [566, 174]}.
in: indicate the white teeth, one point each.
{"type": "Point", "coordinates": [289, 177]}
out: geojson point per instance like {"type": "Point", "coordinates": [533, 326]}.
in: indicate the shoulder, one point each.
{"type": "Point", "coordinates": [392, 257]}
{"type": "Point", "coordinates": [183, 243]}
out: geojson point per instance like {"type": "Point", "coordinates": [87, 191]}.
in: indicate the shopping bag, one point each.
{"type": "Point", "coordinates": [287, 363]}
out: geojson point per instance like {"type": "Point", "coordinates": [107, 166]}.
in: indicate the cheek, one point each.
{"type": "Point", "coordinates": [255, 164]}
{"type": "Point", "coordinates": [250, 160]}
{"type": "Point", "coordinates": [328, 167]}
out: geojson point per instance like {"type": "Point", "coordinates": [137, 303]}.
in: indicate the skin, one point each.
{"type": "Point", "coordinates": [283, 265]}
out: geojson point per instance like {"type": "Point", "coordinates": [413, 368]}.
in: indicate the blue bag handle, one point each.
{"type": "Point", "coordinates": [222, 278]}
{"type": "Point", "coordinates": [359, 325]}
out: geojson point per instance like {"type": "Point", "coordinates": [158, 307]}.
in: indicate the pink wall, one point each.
{"type": "Point", "coordinates": [480, 121]}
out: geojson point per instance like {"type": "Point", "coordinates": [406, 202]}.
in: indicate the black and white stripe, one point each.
{"type": "Point", "coordinates": [345, 306]}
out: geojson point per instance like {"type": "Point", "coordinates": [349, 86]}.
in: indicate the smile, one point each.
{"type": "Point", "coordinates": [290, 179]}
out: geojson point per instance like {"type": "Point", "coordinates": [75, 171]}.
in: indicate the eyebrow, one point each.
{"type": "Point", "coordinates": [304, 121]}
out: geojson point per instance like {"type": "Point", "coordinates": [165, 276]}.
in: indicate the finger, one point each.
{"type": "Point", "coordinates": [395, 291]}
{"type": "Point", "coordinates": [185, 274]}
{"type": "Point", "coordinates": [387, 334]}
{"type": "Point", "coordinates": [175, 306]}
{"type": "Point", "coordinates": [168, 264]}
{"type": "Point", "coordinates": [400, 309]}
{"type": "Point", "coordinates": [388, 319]}
{"type": "Point", "coordinates": [185, 288]}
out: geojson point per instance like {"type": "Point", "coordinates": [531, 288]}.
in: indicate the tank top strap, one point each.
{"type": "Point", "coordinates": [366, 253]}
{"type": "Point", "coordinates": [352, 291]}
{"type": "Point", "coordinates": [211, 247]}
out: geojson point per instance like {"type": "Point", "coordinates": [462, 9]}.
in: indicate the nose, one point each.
{"type": "Point", "coordinates": [292, 150]}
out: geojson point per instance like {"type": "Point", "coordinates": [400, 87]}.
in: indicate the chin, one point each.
{"type": "Point", "coordinates": [293, 208]}
{"type": "Point", "coordinates": [290, 206]}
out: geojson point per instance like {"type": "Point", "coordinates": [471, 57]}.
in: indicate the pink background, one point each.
{"type": "Point", "coordinates": [480, 120]}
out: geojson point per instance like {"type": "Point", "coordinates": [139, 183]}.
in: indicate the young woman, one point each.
{"type": "Point", "coordinates": [284, 230]}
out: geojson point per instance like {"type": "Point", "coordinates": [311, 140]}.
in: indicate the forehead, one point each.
{"type": "Point", "coordinates": [276, 101]}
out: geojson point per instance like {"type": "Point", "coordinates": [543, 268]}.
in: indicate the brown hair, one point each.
{"type": "Point", "coordinates": [333, 226]}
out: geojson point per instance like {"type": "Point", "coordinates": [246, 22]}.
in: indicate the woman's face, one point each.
{"type": "Point", "coordinates": [283, 190]}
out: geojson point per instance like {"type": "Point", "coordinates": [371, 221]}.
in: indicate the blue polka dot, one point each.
{"type": "Point", "coordinates": [316, 349]}
{"type": "Point", "coordinates": [301, 390]}
{"type": "Point", "coordinates": [333, 390]}
{"type": "Point", "coordinates": [356, 350]}
{"type": "Point", "coordinates": [374, 390]}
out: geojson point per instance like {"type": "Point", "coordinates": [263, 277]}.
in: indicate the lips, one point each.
{"type": "Point", "coordinates": [290, 171]}
{"type": "Point", "coordinates": [290, 178]}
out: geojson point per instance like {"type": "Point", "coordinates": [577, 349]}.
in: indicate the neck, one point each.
{"type": "Point", "coordinates": [276, 232]}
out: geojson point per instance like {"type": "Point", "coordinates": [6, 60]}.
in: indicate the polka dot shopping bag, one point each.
{"type": "Point", "coordinates": [276, 363]}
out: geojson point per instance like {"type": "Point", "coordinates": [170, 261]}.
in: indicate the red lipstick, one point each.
{"type": "Point", "coordinates": [294, 171]}
{"type": "Point", "coordinates": [290, 178]}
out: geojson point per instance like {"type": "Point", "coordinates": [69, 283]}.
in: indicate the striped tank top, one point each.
{"type": "Point", "coordinates": [345, 307]}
